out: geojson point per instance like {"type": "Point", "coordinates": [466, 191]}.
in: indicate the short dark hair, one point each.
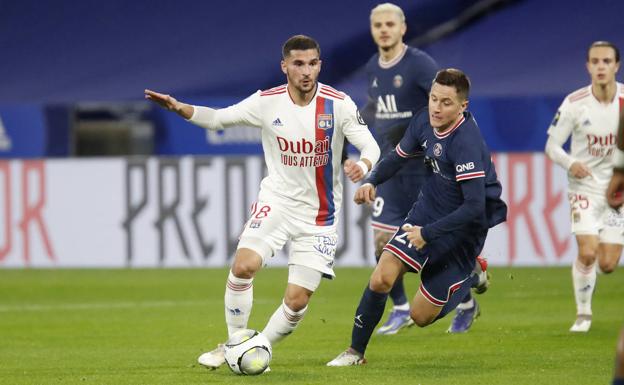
{"type": "Point", "coordinates": [603, 43]}
{"type": "Point", "coordinates": [300, 42]}
{"type": "Point", "coordinates": [454, 78]}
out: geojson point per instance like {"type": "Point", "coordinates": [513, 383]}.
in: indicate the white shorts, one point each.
{"type": "Point", "coordinates": [590, 214]}
{"type": "Point", "coordinates": [270, 227]}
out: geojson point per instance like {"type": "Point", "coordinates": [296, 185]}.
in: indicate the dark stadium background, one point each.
{"type": "Point", "coordinates": [63, 63]}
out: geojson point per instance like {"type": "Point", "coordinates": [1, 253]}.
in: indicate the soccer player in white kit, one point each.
{"type": "Point", "coordinates": [304, 124]}
{"type": "Point", "coordinates": [590, 115]}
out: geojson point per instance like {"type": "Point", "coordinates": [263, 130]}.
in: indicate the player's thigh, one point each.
{"type": "Point", "coordinates": [386, 272]}
{"type": "Point", "coordinates": [313, 247]}
{"type": "Point", "coordinates": [422, 311]}
{"type": "Point", "coordinates": [586, 212]}
{"type": "Point", "coordinates": [442, 279]}
{"type": "Point", "coordinates": [302, 282]}
{"type": "Point", "coordinates": [381, 239]}
{"type": "Point", "coordinates": [265, 232]}
{"type": "Point", "coordinates": [611, 239]}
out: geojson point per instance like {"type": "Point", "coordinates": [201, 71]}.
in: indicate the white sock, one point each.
{"type": "Point", "coordinates": [403, 307]}
{"type": "Point", "coordinates": [282, 323]}
{"type": "Point", "coordinates": [584, 280]}
{"type": "Point", "coordinates": [466, 305]}
{"type": "Point", "coordinates": [238, 302]}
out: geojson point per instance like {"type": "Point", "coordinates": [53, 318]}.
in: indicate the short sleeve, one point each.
{"type": "Point", "coordinates": [244, 113]}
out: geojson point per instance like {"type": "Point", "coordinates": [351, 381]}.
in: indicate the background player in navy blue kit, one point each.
{"type": "Point", "coordinates": [399, 78]}
{"type": "Point", "coordinates": [447, 226]}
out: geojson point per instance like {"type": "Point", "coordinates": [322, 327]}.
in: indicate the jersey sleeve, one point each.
{"type": "Point", "coordinates": [244, 113]}
{"type": "Point", "coordinates": [468, 156]}
{"type": "Point", "coordinates": [356, 131]}
{"type": "Point", "coordinates": [563, 123]}
{"type": "Point", "coordinates": [409, 146]}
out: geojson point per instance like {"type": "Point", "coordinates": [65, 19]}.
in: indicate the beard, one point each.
{"type": "Point", "coordinates": [299, 86]}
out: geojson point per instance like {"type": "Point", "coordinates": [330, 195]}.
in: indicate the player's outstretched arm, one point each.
{"type": "Point", "coordinates": [170, 103]}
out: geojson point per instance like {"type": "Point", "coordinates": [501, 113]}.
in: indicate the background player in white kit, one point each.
{"type": "Point", "coordinates": [304, 123]}
{"type": "Point", "coordinates": [590, 115]}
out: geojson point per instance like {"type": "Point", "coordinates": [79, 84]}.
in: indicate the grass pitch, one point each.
{"type": "Point", "coordinates": [149, 326]}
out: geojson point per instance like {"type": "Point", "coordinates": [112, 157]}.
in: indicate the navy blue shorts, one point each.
{"type": "Point", "coordinates": [394, 199]}
{"type": "Point", "coordinates": [444, 265]}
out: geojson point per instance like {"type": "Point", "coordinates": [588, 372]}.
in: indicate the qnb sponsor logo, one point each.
{"type": "Point", "coordinates": [465, 167]}
{"type": "Point", "coordinates": [600, 146]}
{"type": "Point", "coordinates": [304, 153]}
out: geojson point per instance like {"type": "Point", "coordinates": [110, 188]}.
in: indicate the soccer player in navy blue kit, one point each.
{"type": "Point", "coordinates": [447, 226]}
{"type": "Point", "coordinates": [399, 78]}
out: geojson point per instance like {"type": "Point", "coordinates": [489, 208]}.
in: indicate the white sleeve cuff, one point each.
{"type": "Point", "coordinates": [363, 166]}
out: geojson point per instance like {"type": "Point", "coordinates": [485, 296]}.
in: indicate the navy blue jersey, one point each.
{"type": "Point", "coordinates": [461, 193]}
{"type": "Point", "coordinates": [398, 90]}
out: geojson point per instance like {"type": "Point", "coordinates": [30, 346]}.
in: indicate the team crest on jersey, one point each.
{"type": "Point", "coordinates": [325, 121]}
{"type": "Point", "coordinates": [397, 81]}
{"type": "Point", "coordinates": [437, 149]}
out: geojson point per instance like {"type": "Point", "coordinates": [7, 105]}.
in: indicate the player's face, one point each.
{"type": "Point", "coordinates": [445, 106]}
{"type": "Point", "coordinates": [602, 66]}
{"type": "Point", "coordinates": [387, 29]}
{"type": "Point", "coordinates": [302, 68]}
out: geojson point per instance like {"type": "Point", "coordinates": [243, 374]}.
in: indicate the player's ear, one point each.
{"type": "Point", "coordinates": [283, 65]}
{"type": "Point", "coordinates": [464, 105]}
{"type": "Point", "coordinates": [403, 29]}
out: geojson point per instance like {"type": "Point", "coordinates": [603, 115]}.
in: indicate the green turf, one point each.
{"type": "Point", "coordinates": [149, 326]}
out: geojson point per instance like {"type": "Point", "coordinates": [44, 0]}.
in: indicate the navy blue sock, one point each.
{"type": "Point", "coordinates": [397, 294]}
{"type": "Point", "coordinates": [367, 316]}
{"type": "Point", "coordinates": [459, 296]}
{"type": "Point", "coordinates": [467, 297]}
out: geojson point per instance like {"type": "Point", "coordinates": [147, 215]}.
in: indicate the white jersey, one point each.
{"type": "Point", "coordinates": [303, 147]}
{"type": "Point", "coordinates": [593, 127]}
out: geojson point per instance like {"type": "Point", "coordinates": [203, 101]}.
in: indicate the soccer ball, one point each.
{"type": "Point", "coordinates": [248, 352]}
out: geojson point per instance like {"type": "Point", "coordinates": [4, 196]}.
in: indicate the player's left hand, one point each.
{"type": "Point", "coordinates": [615, 196]}
{"type": "Point", "coordinates": [353, 171]}
{"type": "Point", "coordinates": [414, 236]}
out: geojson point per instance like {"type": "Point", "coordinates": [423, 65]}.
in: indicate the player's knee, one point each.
{"type": "Point", "coordinates": [242, 268]}
{"type": "Point", "coordinates": [296, 301]}
{"type": "Point", "coordinates": [608, 266]}
{"type": "Point", "coordinates": [380, 283]}
{"type": "Point", "coordinates": [587, 255]}
{"type": "Point", "coordinates": [420, 318]}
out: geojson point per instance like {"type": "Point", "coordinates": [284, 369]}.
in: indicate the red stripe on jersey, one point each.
{"type": "Point", "coordinates": [470, 175]}
{"type": "Point", "coordinates": [321, 186]}
{"type": "Point", "coordinates": [274, 89]}
{"type": "Point", "coordinates": [401, 153]}
{"type": "Point", "coordinates": [431, 298]}
{"type": "Point", "coordinates": [339, 95]}
{"type": "Point", "coordinates": [330, 94]}
{"type": "Point", "coordinates": [403, 257]}
{"type": "Point", "coordinates": [450, 130]}
{"type": "Point", "coordinates": [273, 93]}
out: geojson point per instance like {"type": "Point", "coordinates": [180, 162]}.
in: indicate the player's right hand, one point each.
{"type": "Point", "coordinates": [165, 101]}
{"type": "Point", "coordinates": [579, 170]}
{"type": "Point", "coordinates": [615, 190]}
{"type": "Point", "coordinates": [365, 194]}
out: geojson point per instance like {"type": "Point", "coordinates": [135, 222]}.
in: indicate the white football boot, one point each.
{"type": "Point", "coordinates": [347, 358]}
{"type": "Point", "coordinates": [582, 323]}
{"type": "Point", "coordinates": [214, 358]}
